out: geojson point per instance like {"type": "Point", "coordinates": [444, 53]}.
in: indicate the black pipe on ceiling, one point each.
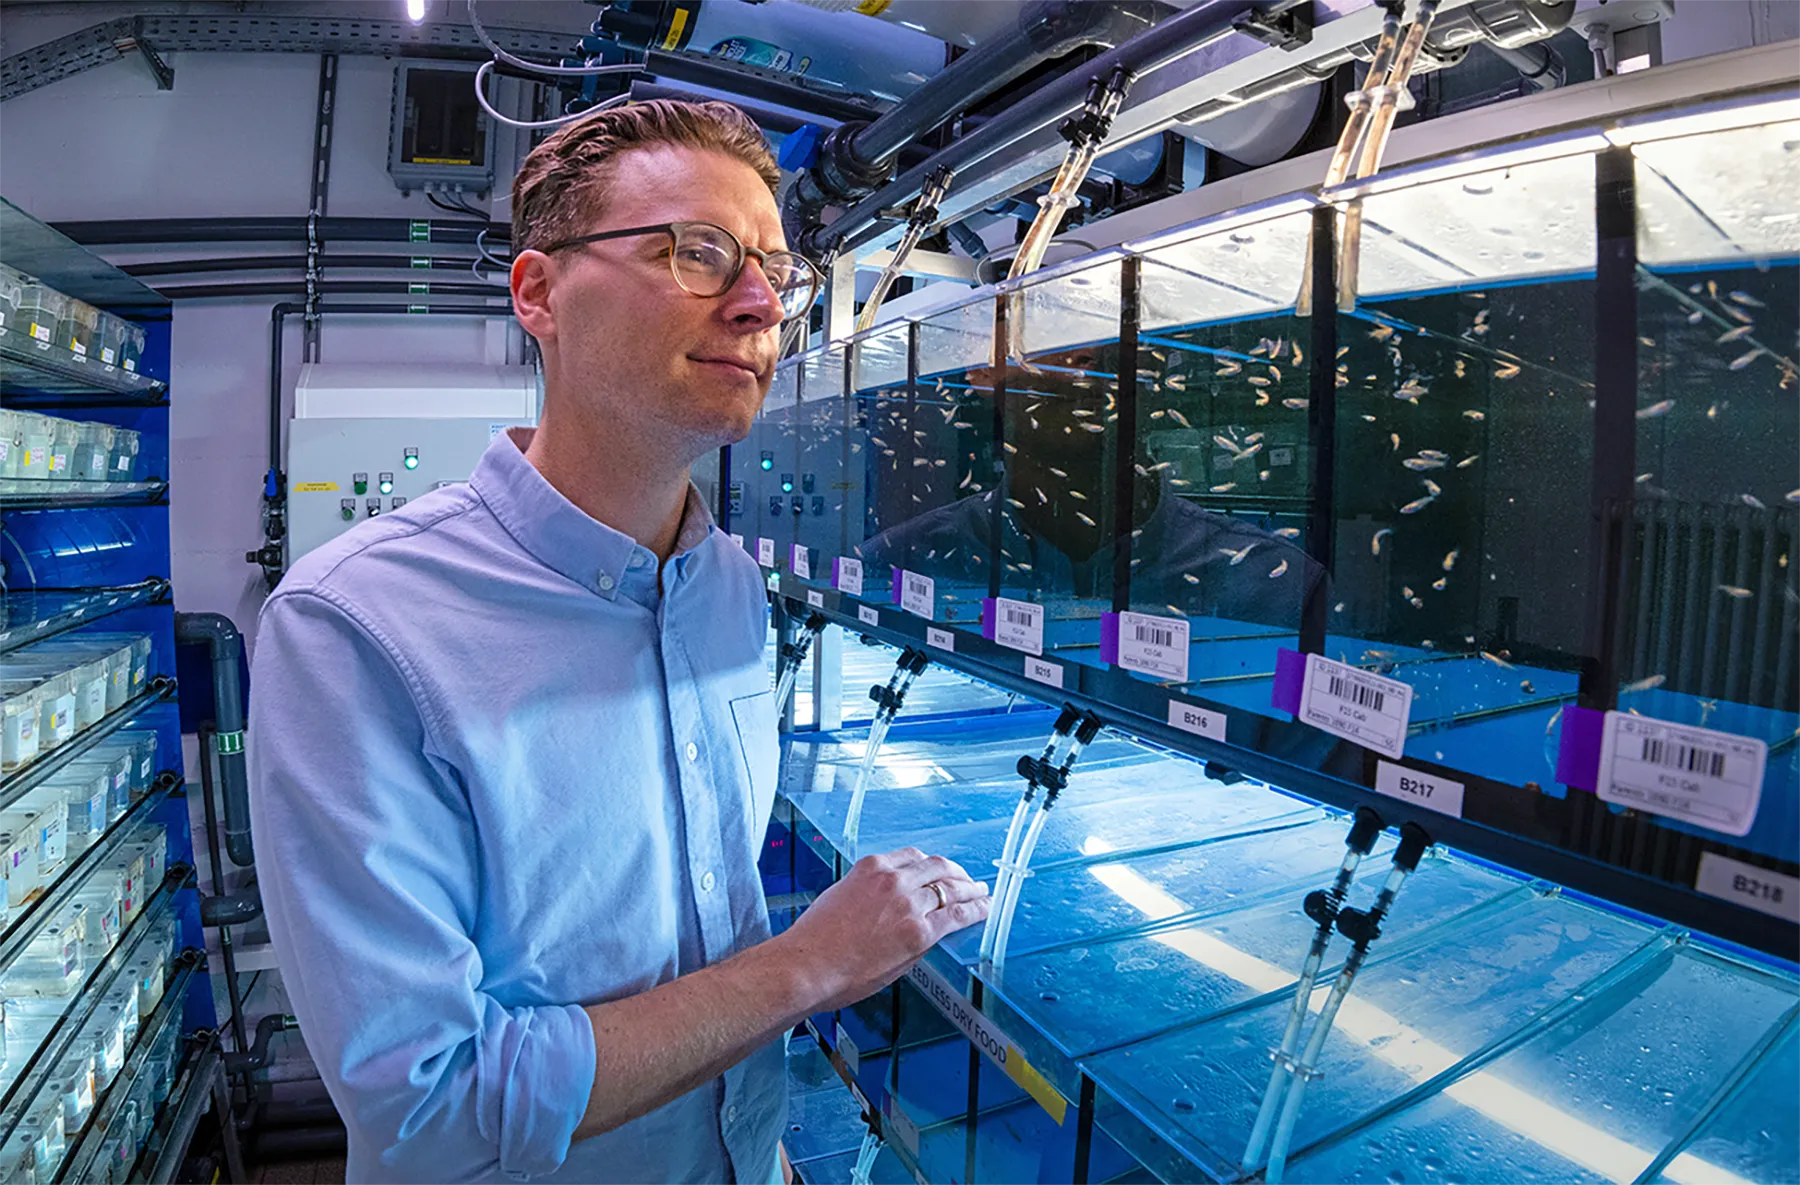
{"type": "Point", "coordinates": [271, 263]}
{"type": "Point", "coordinates": [297, 289]}
{"type": "Point", "coordinates": [156, 231]}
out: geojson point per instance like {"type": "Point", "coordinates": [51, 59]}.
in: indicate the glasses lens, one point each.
{"type": "Point", "coordinates": [792, 277]}
{"type": "Point", "coordinates": [706, 259]}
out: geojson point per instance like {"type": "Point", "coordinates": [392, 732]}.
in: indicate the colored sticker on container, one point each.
{"type": "Point", "coordinates": [942, 639]}
{"type": "Point", "coordinates": [1421, 789]}
{"type": "Point", "coordinates": [765, 552]}
{"type": "Point", "coordinates": [867, 615]}
{"type": "Point", "coordinates": [800, 561]}
{"type": "Point", "coordinates": [1698, 775]}
{"type": "Point", "coordinates": [1016, 625]}
{"type": "Point", "coordinates": [846, 575]}
{"type": "Point", "coordinates": [1744, 884]}
{"type": "Point", "coordinates": [987, 1037]}
{"type": "Point", "coordinates": [1047, 673]}
{"type": "Point", "coordinates": [918, 594]}
{"type": "Point", "coordinates": [1365, 708]}
{"type": "Point", "coordinates": [1205, 722]}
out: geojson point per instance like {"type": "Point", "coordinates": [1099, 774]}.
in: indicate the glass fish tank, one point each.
{"type": "Point", "coordinates": [1495, 533]}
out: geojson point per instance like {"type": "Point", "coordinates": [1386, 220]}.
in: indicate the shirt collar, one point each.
{"type": "Point", "coordinates": [560, 534]}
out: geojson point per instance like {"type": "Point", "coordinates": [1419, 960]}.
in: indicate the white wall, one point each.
{"type": "Point", "coordinates": [233, 138]}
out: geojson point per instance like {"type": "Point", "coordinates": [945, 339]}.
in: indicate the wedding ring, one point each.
{"type": "Point", "coordinates": [943, 901]}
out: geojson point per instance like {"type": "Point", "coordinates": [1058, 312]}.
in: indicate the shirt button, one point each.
{"type": "Point", "coordinates": [707, 882]}
{"type": "Point", "coordinates": [605, 582]}
{"type": "Point", "coordinates": [693, 751]}
{"type": "Point", "coordinates": [731, 1115]}
{"type": "Point", "coordinates": [637, 561]}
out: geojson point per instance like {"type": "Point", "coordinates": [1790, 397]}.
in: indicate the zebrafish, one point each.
{"type": "Point", "coordinates": [1296, 404]}
{"type": "Point", "coordinates": [1375, 543]}
{"type": "Point", "coordinates": [1732, 590]}
{"type": "Point", "coordinates": [1746, 359]}
{"type": "Point", "coordinates": [1237, 557]}
{"type": "Point", "coordinates": [1658, 408]}
{"type": "Point", "coordinates": [1278, 569]}
{"type": "Point", "coordinates": [1450, 558]}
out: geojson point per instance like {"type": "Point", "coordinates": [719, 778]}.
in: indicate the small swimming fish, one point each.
{"type": "Point", "coordinates": [1237, 557]}
{"type": "Point", "coordinates": [1440, 582]}
{"type": "Point", "coordinates": [1507, 370]}
{"type": "Point", "coordinates": [1731, 335]}
{"type": "Point", "coordinates": [1278, 569]}
{"type": "Point", "coordinates": [1697, 316]}
{"type": "Point", "coordinates": [1296, 404]}
{"type": "Point", "coordinates": [1410, 391]}
{"type": "Point", "coordinates": [1009, 447]}
{"type": "Point", "coordinates": [1649, 684]}
{"type": "Point", "coordinates": [1394, 439]}
{"type": "Point", "coordinates": [1468, 461]}
{"type": "Point", "coordinates": [1744, 298]}
{"type": "Point", "coordinates": [1432, 454]}
{"type": "Point", "coordinates": [1275, 373]}
{"type": "Point", "coordinates": [1084, 518]}
{"type": "Point", "coordinates": [1658, 408]}
{"type": "Point", "coordinates": [1262, 399]}
{"type": "Point", "coordinates": [1369, 418]}
{"type": "Point", "coordinates": [1420, 464]}
{"type": "Point", "coordinates": [1224, 487]}
{"type": "Point", "coordinates": [1256, 380]}
{"type": "Point", "coordinates": [1078, 495]}
{"type": "Point", "coordinates": [1417, 504]}
{"type": "Point", "coordinates": [1081, 413]}
{"type": "Point", "coordinates": [1191, 579]}
{"type": "Point", "coordinates": [1375, 543]}
{"type": "Point", "coordinates": [1407, 593]}
{"type": "Point", "coordinates": [1462, 368]}
{"type": "Point", "coordinates": [1179, 418]}
{"type": "Point", "coordinates": [1746, 359]}
{"type": "Point", "coordinates": [1058, 472]}
{"type": "Point", "coordinates": [1287, 532]}
{"type": "Point", "coordinates": [1432, 488]}
{"type": "Point", "coordinates": [1793, 496]}
{"type": "Point", "coordinates": [1228, 444]}
{"type": "Point", "coordinates": [1228, 369]}
{"type": "Point", "coordinates": [1175, 383]}
{"type": "Point", "coordinates": [1477, 416]}
{"type": "Point", "coordinates": [964, 484]}
{"type": "Point", "coordinates": [1526, 687]}
{"type": "Point", "coordinates": [1382, 332]}
{"type": "Point", "coordinates": [1091, 428]}
{"type": "Point", "coordinates": [1450, 558]}
{"type": "Point", "coordinates": [1732, 590]}
{"type": "Point", "coordinates": [1042, 499]}
{"type": "Point", "coordinates": [1497, 660]}
{"type": "Point", "coordinates": [1298, 356]}
{"type": "Point", "coordinates": [1338, 608]}
{"type": "Point", "coordinates": [1752, 501]}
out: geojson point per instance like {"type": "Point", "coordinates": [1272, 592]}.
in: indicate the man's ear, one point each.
{"type": "Point", "coordinates": [533, 274]}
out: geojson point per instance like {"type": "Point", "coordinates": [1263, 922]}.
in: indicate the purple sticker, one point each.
{"type": "Point", "coordinates": [1290, 680]}
{"type": "Point", "coordinates": [837, 570]}
{"type": "Point", "coordinates": [1578, 757]}
{"type": "Point", "coordinates": [899, 579]}
{"type": "Point", "coordinates": [988, 616]}
{"type": "Point", "coordinates": [1109, 638]}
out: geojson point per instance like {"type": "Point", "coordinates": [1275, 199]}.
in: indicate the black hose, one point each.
{"type": "Point", "coordinates": [272, 263]}
{"type": "Point", "coordinates": [226, 647]}
{"type": "Point", "coordinates": [327, 288]}
{"type": "Point", "coordinates": [140, 231]}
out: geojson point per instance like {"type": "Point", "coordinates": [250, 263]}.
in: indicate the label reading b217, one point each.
{"type": "Point", "coordinates": [1019, 625]}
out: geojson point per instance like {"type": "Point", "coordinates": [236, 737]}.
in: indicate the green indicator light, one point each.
{"type": "Point", "coordinates": [767, 464]}
{"type": "Point", "coordinates": [787, 487]}
{"type": "Point", "coordinates": [387, 487]}
{"type": "Point", "coordinates": [362, 487]}
{"type": "Point", "coordinates": [412, 462]}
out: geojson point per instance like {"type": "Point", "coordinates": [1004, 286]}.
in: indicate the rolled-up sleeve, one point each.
{"type": "Point", "coordinates": [368, 861]}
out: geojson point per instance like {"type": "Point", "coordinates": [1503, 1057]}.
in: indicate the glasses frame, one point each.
{"type": "Point", "coordinates": [744, 254]}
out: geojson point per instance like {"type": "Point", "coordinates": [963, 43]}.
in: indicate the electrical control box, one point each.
{"type": "Point", "coordinates": [440, 136]}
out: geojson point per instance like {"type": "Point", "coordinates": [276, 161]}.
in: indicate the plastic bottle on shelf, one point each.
{"type": "Point", "coordinates": [21, 702]}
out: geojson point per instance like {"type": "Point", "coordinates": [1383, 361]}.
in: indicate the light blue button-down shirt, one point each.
{"type": "Point", "coordinates": [497, 775]}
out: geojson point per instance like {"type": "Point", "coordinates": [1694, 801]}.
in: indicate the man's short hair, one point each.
{"type": "Point", "coordinates": [562, 187]}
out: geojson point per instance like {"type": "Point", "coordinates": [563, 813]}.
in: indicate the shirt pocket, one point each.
{"type": "Point", "coordinates": [754, 716]}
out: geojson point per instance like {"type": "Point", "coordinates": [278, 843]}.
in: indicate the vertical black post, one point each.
{"type": "Point", "coordinates": [904, 452]}
{"type": "Point", "coordinates": [1615, 418]}
{"type": "Point", "coordinates": [843, 482]}
{"type": "Point", "coordinates": [317, 200]}
{"type": "Point", "coordinates": [1321, 422]}
{"type": "Point", "coordinates": [898, 990]}
{"type": "Point", "coordinates": [1084, 1131]}
{"type": "Point", "coordinates": [1125, 435]}
{"type": "Point", "coordinates": [722, 512]}
{"type": "Point", "coordinates": [997, 520]}
{"type": "Point", "coordinates": [975, 994]}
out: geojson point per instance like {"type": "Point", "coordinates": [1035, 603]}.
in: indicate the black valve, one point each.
{"type": "Point", "coordinates": [1094, 120]}
{"type": "Point", "coordinates": [914, 661]}
{"type": "Point", "coordinates": [1363, 831]}
{"type": "Point", "coordinates": [1090, 728]}
{"type": "Point", "coordinates": [1321, 907]}
{"type": "Point", "coordinates": [1360, 926]}
{"type": "Point", "coordinates": [1039, 772]}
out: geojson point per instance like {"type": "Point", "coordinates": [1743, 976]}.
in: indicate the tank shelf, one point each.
{"type": "Point", "coordinates": [21, 493]}
{"type": "Point", "coordinates": [44, 368]}
{"type": "Point", "coordinates": [29, 617]}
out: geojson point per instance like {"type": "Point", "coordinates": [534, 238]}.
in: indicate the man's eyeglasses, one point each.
{"type": "Point", "coordinates": [707, 260]}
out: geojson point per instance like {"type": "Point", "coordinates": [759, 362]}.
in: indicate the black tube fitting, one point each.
{"type": "Point", "coordinates": [1321, 907]}
{"type": "Point", "coordinates": [1089, 729]}
{"type": "Point", "coordinates": [257, 1056]}
{"type": "Point", "coordinates": [1070, 717]}
{"type": "Point", "coordinates": [1414, 839]}
{"type": "Point", "coordinates": [233, 909]}
{"type": "Point", "coordinates": [226, 646]}
{"type": "Point", "coordinates": [1364, 829]}
{"type": "Point", "coordinates": [1360, 926]}
{"type": "Point", "coordinates": [1040, 772]}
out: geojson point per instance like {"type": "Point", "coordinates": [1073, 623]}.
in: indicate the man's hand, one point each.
{"type": "Point", "coordinates": [865, 931]}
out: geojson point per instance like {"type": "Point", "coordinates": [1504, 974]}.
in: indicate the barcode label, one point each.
{"type": "Point", "coordinates": [815, 598]}
{"type": "Point", "coordinates": [1154, 645]}
{"type": "Point", "coordinates": [765, 552]}
{"type": "Point", "coordinates": [1361, 707]}
{"type": "Point", "coordinates": [847, 575]}
{"type": "Point", "coordinates": [942, 639]}
{"type": "Point", "coordinates": [1200, 721]}
{"type": "Point", "coordinates": [867, 615]}
{"type": "Point", "coordinates": [1360, 694]}
{"type": "Point", "coordinates": [918, 594]}
{"type": "Point", "coordinates": [1684, 758]}
{"type": "Point", "coordinates": [1698, 775]}
{"type": "Point", "coordinates": [739, 540]}
{"type": "Point", "coordinates": [1047, 673]}
{"type": "Point", "coordinates": [801, 562]}
{"type": "Point", "coordinates": [1019, 625]}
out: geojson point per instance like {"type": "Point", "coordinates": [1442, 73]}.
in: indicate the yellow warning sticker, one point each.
{"type": "Point", "coordinates": [677, 23]}
{"type": "Point", "coordinates": [873, 7]}
{"type": "Point", "coordinates": [316, 487]}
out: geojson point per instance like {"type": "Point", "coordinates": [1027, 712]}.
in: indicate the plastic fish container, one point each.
{"type": "Point", "coordinates": [87, 786]}
{"type": "Point", "coordinates": [56, 703]}
{"type": "Point", "coordinates": [163, 1056]}
{"type": "Point", "coordinates": [18, 863]}
{"type": "Point", "coordinates": [36, 435]}
{"type": "Point", "coordinates": [116, 651]}
{"type": "Point", "coordinates": [73, 1082]}
{"type": "Point", "coordinates": [40, 312]}
{"type": "Point", "coordinates": [79, 329]}
{"type": "Point", "coordinates": [12, 441]}
{"type": "Point", "coordinates": [86, 679]}
{"type": "Point", "coordinates": [152, 840]}
{"type": "Point", "coordinates": [130, 865]}
{"type": "Point", "coordinates": [48, 809]}
{"type": "Point", "coordinates": [107, 1031]}
{"type": "Point", "coordinates": [131, 650]}
{"type": "Point", "coordinates": [43, 1126]}
{"type": "Point", "coordinates": [137, 773]}
{"type": "Point", "coordinates": [64, 434]}
{"type": "Point", "coordinates": [12, 292]}
{"type": "Point", "coordinates": [20, 705]}
{"type": "Point", "coordinates": [54, 962]}
{"type": "Point", "coordinates": [114, 763]}
{"type": "Point", "coordinates": [125, 454]}
{"type": "Point", "coordinates": [131, 346]}
{"type": "Point", "coordinates": [148, 969]}
{"type": "Point", "coordinates": [93, 452]}
{"type": "Point", "coordinates": [102, 899]}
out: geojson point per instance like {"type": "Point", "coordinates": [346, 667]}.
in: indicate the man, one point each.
{"type": "Point", "coordinates": [513, 747]}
